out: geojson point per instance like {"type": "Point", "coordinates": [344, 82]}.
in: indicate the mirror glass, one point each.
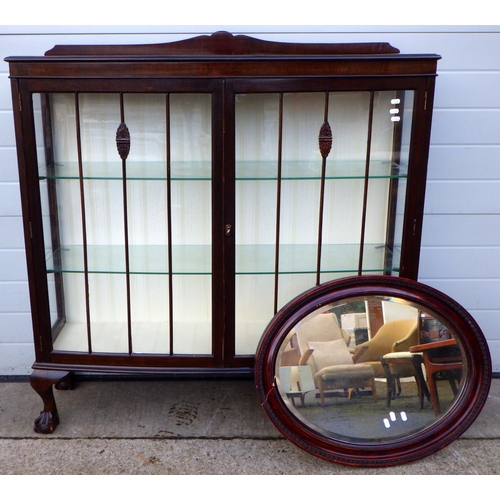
{"type": "Point", "coordinates": [370, 369]}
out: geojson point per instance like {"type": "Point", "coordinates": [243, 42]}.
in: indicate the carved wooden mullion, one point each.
{"type": "Point", "coordinates": [123, 141]}
{"type": "Point", "coordinates": [325, 139]}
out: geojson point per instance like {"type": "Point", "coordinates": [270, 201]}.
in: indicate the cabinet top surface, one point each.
{"type": "Point", "coordinates": [227, 52]}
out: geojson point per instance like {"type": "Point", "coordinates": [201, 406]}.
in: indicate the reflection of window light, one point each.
{"type": "Point", "coordinates": [386, 423]}
{"type": "Point", "coordinates": [395, 118]}
{"type": "Point", "coordinates": [395, 101]}
{"type": "Point", "coordinates": [394, 111]}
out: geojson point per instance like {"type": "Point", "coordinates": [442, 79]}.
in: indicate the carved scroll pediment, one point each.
{"type": "Point", "coordinates": [223, 43]}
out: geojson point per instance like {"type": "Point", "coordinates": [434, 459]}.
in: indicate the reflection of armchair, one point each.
{"type": "Point", "coordinates": [323, 347]}
{"type": "Point", "coordinates": [440, 356]}
{"type": "Point", "coordinates": [391, 345]}
{"type": "Point", "coordinates": [322, 328]}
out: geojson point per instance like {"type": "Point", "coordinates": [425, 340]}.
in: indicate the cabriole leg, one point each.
{"type": "Point", "coordinates": [42, 381]}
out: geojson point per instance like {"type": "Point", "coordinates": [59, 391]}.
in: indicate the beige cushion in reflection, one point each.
{"type": "Point", "coordinates": [330, 353]}
{"type": "Point", "coordinates": [398, 355]}
{"type": "Point", "coordinates": [321, 328]}
{"type": "Point", "coordinates": [346, 375]}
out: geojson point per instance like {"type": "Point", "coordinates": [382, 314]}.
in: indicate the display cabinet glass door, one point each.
{"type": "Point", "coordinates": [320, 194]}
{"type": "Point", "coordinates": [153, 249]}
{"type": "Point", "coordinates": [126, 184]}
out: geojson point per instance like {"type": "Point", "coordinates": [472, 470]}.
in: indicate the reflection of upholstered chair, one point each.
{"type": "Point", "coordinates": [323, 347]}
{"type": "Point", "coordinates": [444, 356]}
{"type": "Point", "coordinates": [393, 340]}
{"type": "Point", "coordinates": [321, 328]}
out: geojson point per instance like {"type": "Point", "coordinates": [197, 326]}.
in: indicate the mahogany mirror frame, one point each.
{"type": "Point", "coordinates": [445, 429]}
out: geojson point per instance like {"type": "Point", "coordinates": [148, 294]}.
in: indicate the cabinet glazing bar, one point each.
{"type": "Point", "coordinates": [365, 188]}
{"type": "Point", "coordinates": [84, 222]}
{"type": "Point", "coordinates": [123, 146]}
{"type": "Point", "coordinates": [169, 225]}
{"type": "Point", "coordinates": [278, 201]}
{"type": "Point", "coordinates": [325, 144]}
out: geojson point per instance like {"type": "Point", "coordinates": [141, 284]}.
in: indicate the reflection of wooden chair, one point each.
{"type": "Point", "coordinates": [388, 353]}
{"type": "Point", "coordinates": [440, 356]}
{"type": "Point", "coordinates": [408, 364]}
{"type": "Point", "coordinates": [296, 381]}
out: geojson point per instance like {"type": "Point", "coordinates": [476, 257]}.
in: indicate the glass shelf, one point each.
{"type": "Point", "coordinates": [196, 259]}
{"type": "Point", "coordinates": [143, 259]}
{"type": "Point", "coordinates": [302, 259]}
{"type": "Point", "coordinates": [196, 171]}
{"type": "Point", "coordinates": [185, 171]}
{"type": "Point", "coordinates": [307, 169]}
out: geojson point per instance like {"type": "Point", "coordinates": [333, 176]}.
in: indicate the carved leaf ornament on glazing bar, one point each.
{"type": "Point", "coordinates": [325, 139]}
{"type": "Point", "coordinates": [123, 141]}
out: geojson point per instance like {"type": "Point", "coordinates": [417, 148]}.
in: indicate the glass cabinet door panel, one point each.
{"type": "Point", "coordinates": [254, 306]}
{"type": "Point", "coordinates": [305, 215]}
{"type": "Point", "coordinates": [303, 115]}
{"type": "Point", "coordinates": [191, 223]}
{"type": "Point", "coordinates": [389, 131]}
{"type": "Point", "coordinates": [193, 307]}
{"type": "Point", "coordinates": [402, 115]}
{"type": "Point", "coordinates": [150, 313]}
{"type": "Point", "coordinates": [47, 192]}
{"type": "Point", "coordinates": [128, 238]}
{"type": "Point", "coordinates": [257, 136]}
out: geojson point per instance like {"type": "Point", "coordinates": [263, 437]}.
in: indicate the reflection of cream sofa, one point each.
{"type": "Point", "coordinates": [323, 347]}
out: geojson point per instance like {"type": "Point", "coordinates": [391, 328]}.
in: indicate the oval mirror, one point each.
{"type": "Point", "coordinates": [372, 370]}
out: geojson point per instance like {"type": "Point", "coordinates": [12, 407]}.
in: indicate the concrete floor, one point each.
{"type": "Point", "coordinates": [192, 427]}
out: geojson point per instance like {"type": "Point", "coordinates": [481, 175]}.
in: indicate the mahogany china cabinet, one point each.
{"type": "Point", "coordinates": [176, 196]}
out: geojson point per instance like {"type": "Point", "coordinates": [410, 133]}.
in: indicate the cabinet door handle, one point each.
{"type": "Point", "coordinates": [228, 229]}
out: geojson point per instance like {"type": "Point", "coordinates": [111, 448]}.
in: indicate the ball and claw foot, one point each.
{"type": "Point", "coordinates": [42, 381]}
{"type": "Point", "coordinates": [46, 423]}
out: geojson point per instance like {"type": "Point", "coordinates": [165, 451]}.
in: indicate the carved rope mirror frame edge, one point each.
{"type": "Point", "coordinates": [446, 429]}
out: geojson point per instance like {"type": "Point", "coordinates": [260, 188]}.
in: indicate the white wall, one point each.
{"type": "Point", "coordinates": [461, 240]}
